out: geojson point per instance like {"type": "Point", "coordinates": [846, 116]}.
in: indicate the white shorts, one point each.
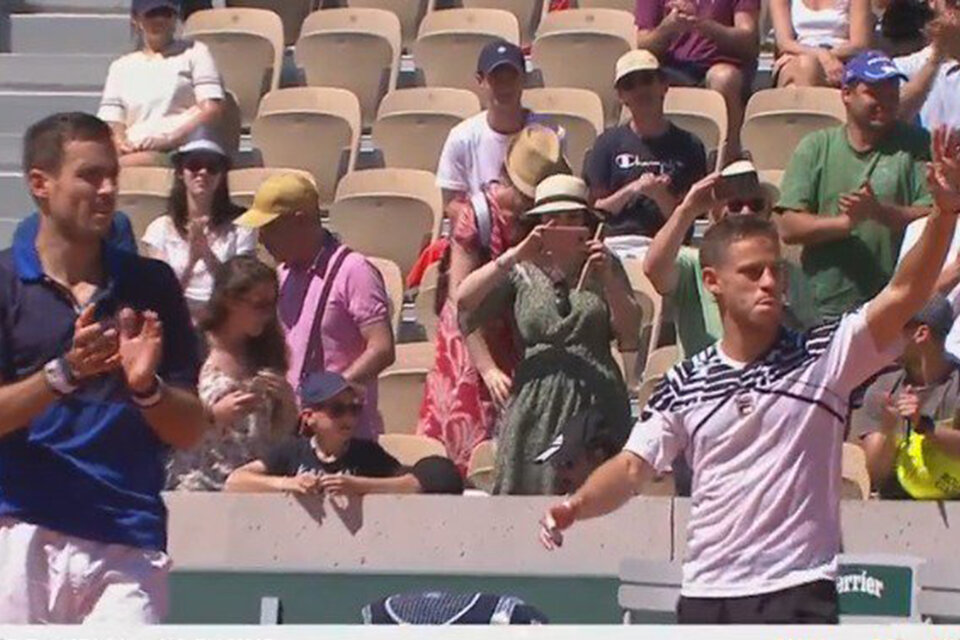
{"type": "Point", "coordinates": [51, 578]}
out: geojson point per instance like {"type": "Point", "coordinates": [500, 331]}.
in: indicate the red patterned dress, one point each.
{"type": "Point", "coordinates": [457, 408]}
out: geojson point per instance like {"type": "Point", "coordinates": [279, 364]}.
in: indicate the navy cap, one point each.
{"type": "Point", "coordinates": [870, 67]}
{"type": "Point", "coordinates": [139, 7]}
{"type": "Point", "coordinates": [936, 314]}
{"type": "Point", "coordinates": [498, 53]}
{"type": "Point", "coordinates": [319, 387]}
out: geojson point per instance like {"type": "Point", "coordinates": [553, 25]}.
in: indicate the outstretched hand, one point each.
{"type": "Point", "coordinates": [943, 174]}
{"type": "Point", "coordinates": [555, 521]}
{"type": "Point", "coordinates": [141, 345]}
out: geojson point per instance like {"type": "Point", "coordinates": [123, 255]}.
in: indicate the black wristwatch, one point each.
{"type": "Point", "coordinates": [925, 425]}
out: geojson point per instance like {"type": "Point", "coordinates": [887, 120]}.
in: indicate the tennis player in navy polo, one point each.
{"type": "Point", "coordinates": [98, 365]}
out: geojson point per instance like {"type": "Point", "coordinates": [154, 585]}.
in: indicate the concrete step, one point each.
{"type": "Point", "coordinates": [18, 110]}
{"type": "Point", "coordinates": [11, 149]}
{"type": "Point", "coordinates": [50, 72]}
{"type": "Point", "coordinates": [15, 201]}
{"type": "Point", "coordinates": [70, 33]}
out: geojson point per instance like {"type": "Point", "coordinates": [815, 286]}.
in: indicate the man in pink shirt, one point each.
{"type": "Point", "coordinates": [333, 304]}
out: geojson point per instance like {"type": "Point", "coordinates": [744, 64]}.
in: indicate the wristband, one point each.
{"type": "Point", "coordinates": [59, 377]}
{"type": "Point", "coordinates": [151, 397]}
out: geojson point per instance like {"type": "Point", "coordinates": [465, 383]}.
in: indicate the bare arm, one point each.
{"type": "Point", "coordinates": [207, 113]}
{"type": "Point", "coordinates": [178, 419]}
{"type": "Point", "coordinates": [407, 483]}
{"type": "Point", "coordinates": [914, 92]}
{"type": "Point", "coordinates": [252, 478]}
{"type": "Point", "coordinates": [654, 187]}
{"type": "Point", "coordinates": [22, 401]}
{"type": "Point", "coordinates": [880, 449]}
{"type": "Point", "coordinates": [802, 227]}
{"type": "Point", "coordinates": [377, 356]}
{"type": "Point", "coordinates": [611, 486]}
{"type": "Point", "coordinates": [946, 438]}
{"type": "Point", "coordinates": [741, 40]}
{"type": "Point", "coordinates": [658, 39]}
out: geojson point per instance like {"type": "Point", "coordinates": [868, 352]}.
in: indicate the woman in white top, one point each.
{"type": "Point", "coordinates": [816, 37]}
{"type": "Point", "coordinates": [198, 233]}
{"type": "Point", "coordinates": [155, 98]}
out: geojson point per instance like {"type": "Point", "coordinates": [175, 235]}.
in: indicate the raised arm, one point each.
{"type": "Point", "coordinates": [482, 282]}
{"type": "Point", "coordinates": [806, 228]}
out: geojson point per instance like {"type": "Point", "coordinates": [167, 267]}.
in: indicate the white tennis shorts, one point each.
{"type": "Point", "coordinates": [51, 578]}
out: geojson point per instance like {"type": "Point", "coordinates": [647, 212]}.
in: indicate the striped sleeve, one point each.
{"type": "Point", "coordinates": [207, 84]}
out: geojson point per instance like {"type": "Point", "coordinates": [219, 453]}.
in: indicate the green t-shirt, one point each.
{"type": "Point", "coordinates": [846, 273]}
{"type": "Point", "coordinates": [697, 315]}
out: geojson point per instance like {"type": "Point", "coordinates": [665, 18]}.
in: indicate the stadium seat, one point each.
{"type": "Point", "coordinates": [292, 13]}
{"type": "Point", "coordinates": [424, 305]}
{"type": "Point", "coordinates": [771, 176]}
{"type": "Point", "coordinates": [409, 12]}
{"type": "Point", "coordinates": [578, 111]}
{"type": "Point", "coordinates": [400, 392]}
{"type": "Point", "coordinates": [646, 390]}
{"type": "Point", "coordinates": [230, 127]}
{"type": "Point", "coordinates": [628, 6]}
{"type": "Point", "coordinates": [389, 213]}
{"type": "Point", "coordinates": [480, 469]}
{"type": "Point", "coordinates": [414, 355]}
{"type": "Point", "coordinates": [247, 45]}
{"type": "Point", "coordinates": [527, 13]}
{"type": "Point", "coordinates": [777, 119]}
{"type": "Point", "coordinates": [316, 129]}
{"type": "Point", "coordinates": [245, 182]}
{"type": "Point", "coordinates": [410, 449]}
{"type": "Point", "coordinates": [651, 305]}
{"type": "Point", "coordinates": [856, 478]}
{"type": "Point", "coordinates": [579, 48]}
{"type": "Point", "coordinates": [143, 194]}
{"type": "Point", "coordinates": [393, 282]}
{"type": "Point", "coordinates": [702, 112]}
{"type": "Point", "coordinates": [660, 361]}
{"type": "Point", "coordinates": [450, 41]}
{"type": "Point", "coordinates": [413, 124]}
{"type": "Point", "coordinates": [354, 49]}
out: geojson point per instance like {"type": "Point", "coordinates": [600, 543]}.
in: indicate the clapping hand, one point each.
{"type": "Point", "coordinates": [943, 174]}
{"type": "Point", "coordinates": [233, 406]}
{"type": "Point", "coordinates": [197, 237]}
{"type": "Point", "coordinates": [141, 346]}
{"type": "Point", "coordinates": [95, 346]}
{"type": "Point", "coordinates": [859, 205]}
{"type": "Point", "coordinates": [302, 483]}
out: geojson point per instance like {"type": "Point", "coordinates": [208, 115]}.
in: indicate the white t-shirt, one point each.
{"type": "Point", "coordinates": [830, 26]}
{"type": "Point", "coordinates": [940, 107]}
{"type": "Point", "coordinates": [153, 94]}
{"type": "Point", "coordinates": [473, 154]}
{"type": "Point", "coordinates": [764, 442]}
{"type": "Point", "coordinates": [173, 249]}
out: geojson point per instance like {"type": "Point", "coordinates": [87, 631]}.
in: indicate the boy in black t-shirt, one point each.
{"type": "Point", "coordinates": [330, 459]}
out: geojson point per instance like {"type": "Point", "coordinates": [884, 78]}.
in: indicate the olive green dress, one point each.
{"type": "Point", "coordinates": [566, 368]}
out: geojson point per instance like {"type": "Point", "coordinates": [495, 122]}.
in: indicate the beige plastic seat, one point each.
{"type": "Point", "coordinates": [410, 449]}
{"type": "Point", "coordinates": [629, 6]}
{"type": "Point", "coordinates": [771, 176]}
{"type": "Point", "coordinates": [856, 478]}
{"type": "Point", "coordinates": [414, 355]}
{"type": "Point", "coordinates": [702, 112]}
{"type": "Point", "coordinates": [481, 467]}
{"type": "Point", "coordinates": [316, 129]}
{"type": "Point", "coordinates": [409, 12]}
{"type": "Point", "coordinates": [660, 361]}
{"type": "Point", "coordinates": [651, 304]}
{"type": "Point", "coordinates": [578, 111]}
{"type": "Point", "coordinates": [230, 127]}
{"type": "Point", "coordinates": [292, 13]}
{"type": "Point", "coordinates": [143, 194]}
{"type": "Point", "coordinates": [646, 390]}
{"type": "Point", "coordinates": [450, 41]}
{"type": "Point", "coordinates": [776, 121]}
{"type": "Point", "coordinates": [247, 45]}
{"type": "Point", "coordinates": [389, 213]}
{"type": "Point", "coordinates": [579, 48]}
{"type": "Point", "coordinates": [424, 305]}
{"type": "Point", "coordinates": [245, 182]}
{"type": "Point", "coordinates": [354, 49]}
{"type": "Point", "coordinates": [412, 124]}
{"type": "Point", "coordinates": [393, 283]}
{"type": "Point", "coordinates": [527, 13]}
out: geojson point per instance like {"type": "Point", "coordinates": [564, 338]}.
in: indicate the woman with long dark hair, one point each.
{"type": "Point", "coordinates": [243, 381]}
{"type": "Point", "coordinates": [198, 233]}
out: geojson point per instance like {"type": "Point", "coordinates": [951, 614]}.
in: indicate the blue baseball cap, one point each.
{"type": "Point", "coordinates": [871, 67]}
{"type": "Point", "coordinates": [499, 53]}
{"type": "Point", "coordinates": [320, 387]}
{"type": "Point", "coordinates": [140, 7]}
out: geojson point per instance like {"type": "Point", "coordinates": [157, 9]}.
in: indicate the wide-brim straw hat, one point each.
{"type": "Point", "coordinates": [534, 154]}
{"type": "Point", "coordinates": [561, 194]}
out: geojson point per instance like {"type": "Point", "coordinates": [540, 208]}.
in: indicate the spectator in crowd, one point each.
{"type": "Point", "coordinates": [470, 380]}
{"type": "Point", "coordinates": [586, 441]}
{"type": "Point", "coordinates": [849, 191]}
{"type": "Point", "coordinates": [570, 299]}
{"type": "Point", "coordinates": [243, 382]}
{"type": "Point", "coordinates": [333, 304]}
{"type": "Point", "coordinates": [156, 97]}
{"type": "Point", "coordinates": [933, 90]}
{"type": "Point", "coordinates": [716, 43]}
{"type": "Point", "coordinates": [675, 270]}
{"type": "Point", "coordinates": [903, 25]}
{"type": "Point", "coordinates": [331, 460]}
{"type": "Point", "coordinates": [760, 417]}
{"type": "Point", "coordinates": [816, 37]}
{"type": "Point", "coordinates": [198, 234]}
{"type": "Point", "coordinates": [98, 366]}
{"type": "Point", "coordinates": [911, 451]}
{"type": "Point", "coordinates": [120, 235]}
{"type": "Point", "coordinates": [638, 172]}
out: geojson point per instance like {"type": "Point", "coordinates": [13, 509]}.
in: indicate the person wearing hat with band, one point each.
{"type": "Point", "coordinates": [469, 383]}
{"type": "Point", "coordinates": [849, 191]}
{"type": "Point", "coordinates": [155, 98]}
{"type": "Point", "coordinates": [639, 171]}
{"type": "Point", "coordinates": [570, 299]}
{"type": "Point", "coordinates": [197, 234]}
{"type": "Point", "coordinates": [333, 303]}
{"type": "Point", "coordinates": [327, 458]}
{"type": "Point", "coordinates": [906, 424]}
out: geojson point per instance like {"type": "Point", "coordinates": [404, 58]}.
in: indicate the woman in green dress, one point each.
{"type": "Point", "coordinates": [566, 330]}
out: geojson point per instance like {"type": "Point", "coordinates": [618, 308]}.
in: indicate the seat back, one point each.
{"type": "Point", "coordinates": [244, 183]}
{"type": "Point", "coordinates": [856, 478]}
{"type": "Point", "coordinates": [661, 360]}
{"type": "Point", "coordinates": [527, 13]}
{"type": "Point", "coordinates": [143, 193]}
{"type": "Point", "coordinates": [414, 355]}
{"type": "Point", "coordinates": [480, 469]}
{"type": "Point", "coordinates": [628, 6]}
{"type": "Point", "coordinates": [426, 300]}
{"type": "Point", "coordinates": [393, 283]}
{"type": "Point", "coordinates": [702, 112]}
{"type": "Point", "coordinates": [413, 124]}
{"type": "Point", "coordinates": [651, 304]}
{"type": "Point", "coordinates": [410, 449]}
{"type": "Point", "coordinates": [292, 13]}
{"type": "Point", "coordinates": [578, 111]}
{"type": "Point", "coordinates": [409, 12]}
{"type": "Point", "coordinates": [355, 49]}
{"type": "Point", "coordinates": [316, 129]}
{"type": "Point", "coordinates": [247, 45]}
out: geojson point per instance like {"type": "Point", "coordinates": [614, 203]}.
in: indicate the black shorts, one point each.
{"type": "Point", "coordinates": [811, 603]}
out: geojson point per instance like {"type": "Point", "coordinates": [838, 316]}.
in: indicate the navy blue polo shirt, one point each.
{"type": "Point", "coordinates": [90, 466]}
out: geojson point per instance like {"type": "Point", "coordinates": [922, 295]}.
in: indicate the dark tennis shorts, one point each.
{"type": "Point", "coordinates": [811, 603]}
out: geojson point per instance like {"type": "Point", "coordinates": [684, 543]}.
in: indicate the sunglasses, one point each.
{"type": "Point", "coordinates": [198, 163]}
{"type": "Point", "coordinates": [756, 205]}
{"type": "Point", "coordinates": [340, 409]}
{"type": "Point", "coordinates": [638, 79]}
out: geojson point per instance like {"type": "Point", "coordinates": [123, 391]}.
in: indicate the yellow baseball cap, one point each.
{"type": "Point", "coordinates": [280, 195]}
{"type": "Point", "coordinates": [635, 60]}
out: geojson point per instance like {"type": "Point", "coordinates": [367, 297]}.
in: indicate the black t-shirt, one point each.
{"type": "Point", "coordinates": [363, 458]}
{"type": "Point", "coordinates": [620, 156]}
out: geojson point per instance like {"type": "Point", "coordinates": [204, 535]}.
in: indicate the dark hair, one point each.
{"type": "Point", "coordinates": [730, 229]}
{"type": "Point", "coordinates": [45, 141]}
{"type": "Point", "coordinates": [235, 278]}
{"type": "Point", "coordinates": [223, 211]}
